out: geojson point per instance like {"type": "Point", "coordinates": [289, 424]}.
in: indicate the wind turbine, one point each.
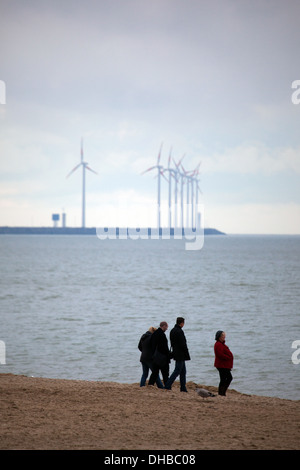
{"type": "Point", "coordinates": [196, 180]}
{"type": "Point", "coordinates": [84, 167]}
{"type": "Point", "coordinates": [172, 174]}
{"type": "Point", "coordinates": [190, 179]}
{"type": "Point", "coordinates": [181, 175]}
{"type": "Point", "coordinates": [159, 172]}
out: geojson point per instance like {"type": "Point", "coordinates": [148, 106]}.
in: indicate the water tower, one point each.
{"type": "Point", "coordinates": [55, 218]}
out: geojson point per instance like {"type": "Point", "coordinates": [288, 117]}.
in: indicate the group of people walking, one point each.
{"type": "Point", "coordinates": [156, 357]}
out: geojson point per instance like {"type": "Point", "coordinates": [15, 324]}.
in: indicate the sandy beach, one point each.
{"type": "Point", "coordinates": [39, 413]}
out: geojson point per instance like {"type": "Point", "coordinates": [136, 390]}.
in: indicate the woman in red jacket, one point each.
{"type": "Point", "coordinates": [223, 361]}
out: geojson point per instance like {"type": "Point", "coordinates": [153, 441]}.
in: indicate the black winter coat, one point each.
{"type": "Point", "coordinates": [160, 341]}
{"type": "Point", "coordinates": [179, 345]}
{"type": "Point", "coordinates": [145, 347]}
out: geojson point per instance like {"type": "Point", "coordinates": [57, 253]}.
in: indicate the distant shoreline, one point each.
{"type": "Point", "coordinates": [79, 231]}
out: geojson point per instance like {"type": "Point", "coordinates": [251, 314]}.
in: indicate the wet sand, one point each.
{"type": "Point", "coordinates": [38, 413]}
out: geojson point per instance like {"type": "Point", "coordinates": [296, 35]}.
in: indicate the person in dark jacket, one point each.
{"type": "Point", "coordinates": [160, 354]}
{"type": "Point", "coordinates": [180, 353]}
{"type": "Point", "coordinates": [146, 357]}
{"type": "Point", "coordinates": [223, 361]}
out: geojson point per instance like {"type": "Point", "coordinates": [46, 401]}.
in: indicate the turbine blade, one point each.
{"type": "Point", "coordinates": [81, 150]}
{"type": "Point", "coordinates": [183, 169]}
{"type": "Point", "coordinates": [176, 164]}
{"type": "Point", "coordinates": [199, 189]}
{"type": "Point", "coordinates": [159, 154]}
{"type": "Point", "coordinates": [88, 168]}
{"type": "Point", "coordinates": [162, 174]}
{"type": "Point", "coordinates": [74, 169]}
{"type": "Point", "coordinates": [174, 176]}
{"type": "Point", "coordinates": [196, 170]}
{"type": "Point", "coordinates": [181, 159]}
{"type": "Point", "coordinates": [179, 163]}
{"type": "Point", "coordinates": [149, 169]}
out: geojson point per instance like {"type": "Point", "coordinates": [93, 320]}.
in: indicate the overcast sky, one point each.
{"type": "Point", "coordinates": [211, 79]}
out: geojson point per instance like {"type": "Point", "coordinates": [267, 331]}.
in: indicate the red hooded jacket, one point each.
{"type": "Point", "coordinates": [223, 356]}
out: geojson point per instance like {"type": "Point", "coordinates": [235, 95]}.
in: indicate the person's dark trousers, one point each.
{"type": "Point", "coordinates": [146, 367]}
{"type": "Point", "coordinates": [180, 370]}
{"type": "Point", "coordinates": [225, 379]}
{"type": "Point", "coordinates": [155, 371]}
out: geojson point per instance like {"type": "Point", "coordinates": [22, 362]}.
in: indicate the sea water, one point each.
{"type": "Point", "coordinates": [75, 307]}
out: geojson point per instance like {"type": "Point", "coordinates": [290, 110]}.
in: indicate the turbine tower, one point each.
{"type": "Point", "coordinates": [181, 175]}
{"type": "Point", "coordinates": [172, 174]}
{"type": "Point", "coordinates": [84, 167]}
{"type": "Point", "coordinates": [190, 179]}
{"type": "Point", "coordinates": [196, 180]}
{"type": "Point", "coordinates": [159, 172]}
{"type": "Point", "coordinates": [187, 178]}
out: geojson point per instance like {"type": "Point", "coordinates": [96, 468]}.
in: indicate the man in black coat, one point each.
{"type": "Point", "coordinates": [146, 357]}
{"type": "Point", "coordinates": [180, 354]}
{"type": "Point", "coordinates": [161, 354]}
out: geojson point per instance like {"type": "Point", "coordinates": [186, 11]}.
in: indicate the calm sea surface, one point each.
{"type": "Point", "coordinates": [75, 306]}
